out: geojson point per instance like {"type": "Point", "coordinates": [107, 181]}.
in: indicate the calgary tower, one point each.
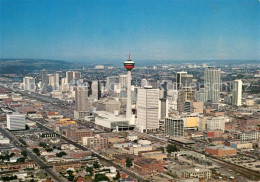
{"type": "Point", "coordinates": [129, 65]}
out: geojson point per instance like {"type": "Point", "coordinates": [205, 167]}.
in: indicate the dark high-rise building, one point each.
{"type": "Point", "coordinates": [44, 79]}
{"type": "Point", "coordinates": [81, 102]}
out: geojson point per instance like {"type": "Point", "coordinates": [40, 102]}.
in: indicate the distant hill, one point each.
{"type": "Point", "coordinates": [21, 66]}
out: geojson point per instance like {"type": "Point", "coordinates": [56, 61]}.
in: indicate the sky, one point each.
{"type": "Point", "coordinates": [89, 30]}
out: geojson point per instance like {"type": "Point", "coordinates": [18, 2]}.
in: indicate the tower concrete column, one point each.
{"type": "Point", "coordinates": [129, 99]}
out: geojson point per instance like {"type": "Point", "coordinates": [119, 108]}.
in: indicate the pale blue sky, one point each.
{"type": "Point", "coordinates": [148, 29]}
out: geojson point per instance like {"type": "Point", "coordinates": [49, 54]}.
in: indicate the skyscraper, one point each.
{"type": "Point", "coordinates": [179, 76]}
{"type": "Point", "coordinates": [56, 81]}
{"type": "Point", "coordinates": [44, 79]}
{"type": "Point", "coordinates": [148, 109]}
{"type": "Point", "coordinates": [122, 82]}
{"type": "Point", "coordinates": [29, 83]}
{"type": "Point", "coordinates": [69, 76]}
{"type": "Point", "coordinates": [212, 78]}
{"type": "Point", "coordinates": [76, 75]}
{"type": "Point", "coordinates": [129, 65]}
{"type": "Point", "coordinates": [81, 102]}
{"type": "Point", "coordinates": [174, 127]}
{"type": "Point", "coordinates": [72, 76]}
{"type": "Point", "coordinates": [237, 93]}
{"type": "Point", "coordinates": [110, 84]}
{"type": "Point", "coordinates": [96, 91]}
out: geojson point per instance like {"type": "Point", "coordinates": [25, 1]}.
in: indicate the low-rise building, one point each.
{"type": "Point", "coordinates": [220, 150]}
{"type": "Point", "coordinates": [95, 142]}
{"type": "Point", "coordinates": [148, 166]}
{"type": "Point", "coordinates": [196, 173]}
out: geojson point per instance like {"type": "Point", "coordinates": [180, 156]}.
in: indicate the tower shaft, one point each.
{"type": "Point", "coordinates": [129, 100]}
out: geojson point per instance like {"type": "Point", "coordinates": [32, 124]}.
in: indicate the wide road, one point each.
{"type": "Point", "coordinates": [54, 175]}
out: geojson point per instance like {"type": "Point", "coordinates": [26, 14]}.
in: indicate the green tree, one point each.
{"type": "Point", "coordinates": [171, 148]}
{"type": "Point", "coordinates": [101, 177]}
{"type": "Point", "coordinates": [27, 127]}
{"type": "Point", "coordinates": [24, 153]}
{"type": "Point", "coordinates": [22, 141]}
{"type": "Point", "coordinates": [49, 149]}
{"type": "Point", "coordinates": [43, 144]}
{"type": "Point", "coordinates": [20, 160]}
{"type": "Point", "coordinates": [71, 176]}
{"type": "Point", "coordinates": [61, 154]}
{"type": "Point", "coordinates": [117, 176]}
{"type": "Point", "coordinates": [128, 162]}
{"type": "Point", "coordinates": [96, 165]}
{"type": "Point", "coordinates": [36, 151]}
{"type": "Point", "coordinates": [89, 170]}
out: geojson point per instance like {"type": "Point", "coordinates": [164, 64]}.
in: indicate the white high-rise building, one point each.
{"type": "Point", "coordinates": [95, 87]}
{"type": "Point", "coordinates": [51, 80]}
{"type": "Point", "coordinates": [172, 96]}
{"type": "Point", "coordinates": [144, 82]}
{"type": "Point", "coordinates": [237, 93]}
{"type": "Point", "coordinates": [174, 127]}
{"type": "Point", "coordinates": [148, 109]}
{"type": "Point", "coordinates": [122, 82]}
{"type": "Point", "coordinates": [15, 121]}
{"type": "Point", "coordinates": [72, 76]}
{"type": "Point", "coordinates": [76, 75]}
{"type": "Point", "coordinates": [29, 83]}
{"type": "Point", "coordinates": [111, 82]}
{"type": "Point", "coordinates": [212, 78]}
{"type": "Point", "coordinates": [56, 81]}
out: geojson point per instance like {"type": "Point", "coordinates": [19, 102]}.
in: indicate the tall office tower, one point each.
{"type": "Point", "coordinates": [181, 101]}
{"type": "Point", "coordinates": [76, 75]}
{"type": "Point", "coordinates": [179, 76]}
{"type": "Point", "coordinates": [51, 80]}
{"type": "Point", "coordinates": [56, 81]}
{"type": "Point", "coordinates": [29, 83]}
{"type": "Point", "coordinates": [69, 76]}
{"type": "Point", "coordinates": [202, 95]}
{"type": "Point", "coordinates": [81, 102]}
{"type": "Point", "coordinates": [237, 93]}
{"type": "Point", "coordinates": [153, 83]}
{"type": "Point", "coordinates": [111, 82]}
{"type": "Point", "coordinates": [187, 80]}
{"type": "Point", "coordinates": [44, 79]}
{"type": "Point", "coordinates": [15, 121]}
{"type": "Point", "coordinates": [174, 127]}
{"type": "Point", "coordinates": [144, 82]}
{"type": "Point", "coordinates": [129, 65]}
{"type": "Point", "coordinates": [172, 97]}
{"type": "Point", "coordinates": [95, 90]}
{"type": "Point", "coordinates": [148, 109]}
{"type": "Point", "coordinates": [188, 107]}
{"type": "Point", "coordinates": [212, 78]}
{"type": "Point", "coordinates": [189, 92]}
{"type": "Point", "coordinates": [163, 108]}
{"type": "Point", "coordinates": [164, 89]}
{"type": "Point", "coordinates": [123, 82]}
